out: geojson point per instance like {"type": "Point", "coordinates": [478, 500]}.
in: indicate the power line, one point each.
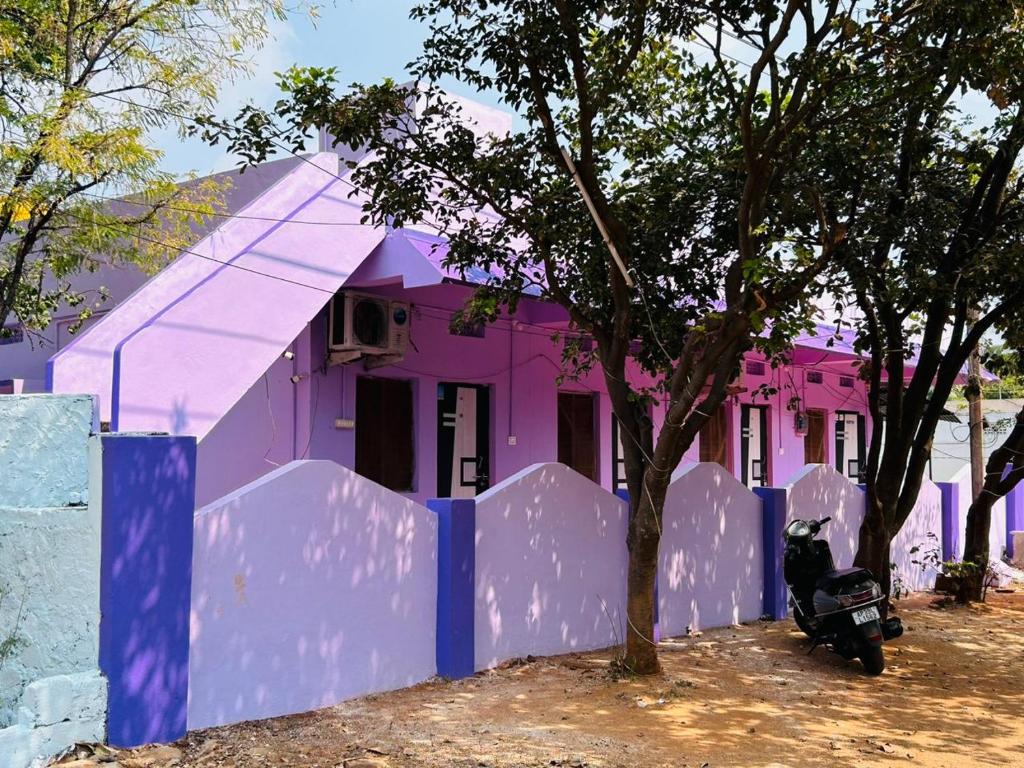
{"type": "Point", "coordinates": [219, 214]}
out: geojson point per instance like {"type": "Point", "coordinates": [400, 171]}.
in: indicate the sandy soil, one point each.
{"type": "Point", "coordinates": [750, 696]}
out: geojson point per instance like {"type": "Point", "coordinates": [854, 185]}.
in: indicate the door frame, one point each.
{"type": "Point", "coordinates": [861, 442]}
{"type": "Point", "coordinates": [484, 437]}
{"type": "Point", "coordinates": [745, 411]}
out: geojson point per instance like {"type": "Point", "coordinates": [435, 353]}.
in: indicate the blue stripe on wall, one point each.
{"type": "Point", "coordinates": [456, 584]}
{"type": "Point", "coordinates": [773, 520]}
{"type": "Point", "coordinates": [950, 495]}
{"type": "Point", "coordinates": [147, 484]}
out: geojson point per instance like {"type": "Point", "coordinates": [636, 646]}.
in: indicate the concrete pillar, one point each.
{"type": "Point", "coordinates": [950, 519]}
{"type": "Point", "coordinates": [773, 520]}
{"type": "Point", "coordinates": [456, 586]}
{"type": "Point", "coordinates": [145, 485]}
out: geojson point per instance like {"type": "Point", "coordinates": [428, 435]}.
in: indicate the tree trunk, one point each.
{"type": "Point", "coordinates": [1004, 470]}
{"type": "Point", "coordinates": [874, 544]}
{"type": "Point", "coordinates": [641, 654]}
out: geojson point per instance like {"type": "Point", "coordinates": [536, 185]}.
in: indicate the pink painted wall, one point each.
{"type": "Point", "coordinates": [550, 566]}
{"type": "Point", "coordinates": [711, 559]}
{"type": "Point", "coordinates": [310, 586]}
{"type": "Point", "coordinates": [516, 358]}
{"type": "Point", "coordinates": [520, 365]}
{"type": "Point", "coordinates": [786, 456]}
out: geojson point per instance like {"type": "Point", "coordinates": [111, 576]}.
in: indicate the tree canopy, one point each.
{"type": "Point", "coordinates": [83, 83]}
{"type": "Point", "coordinates": [671, 203]}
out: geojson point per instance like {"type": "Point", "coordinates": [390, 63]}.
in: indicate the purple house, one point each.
{"type": "Point", "coordinates": [293, 331]}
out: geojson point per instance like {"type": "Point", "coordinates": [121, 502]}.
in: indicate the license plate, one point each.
{"type": "Point", "coordinates": [864, 615]}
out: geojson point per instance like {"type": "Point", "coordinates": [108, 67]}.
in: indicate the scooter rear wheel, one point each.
{"type": "Point", "coordinates": [873, 659]}
{"type": "Point", "coordinates": [804, 623]}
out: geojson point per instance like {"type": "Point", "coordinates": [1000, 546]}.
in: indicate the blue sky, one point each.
{"type": "Point", "coordinates": [367, 40]}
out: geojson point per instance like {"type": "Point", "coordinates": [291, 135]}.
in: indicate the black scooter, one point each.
{"type": "Point", "coordinates": [835, 608]}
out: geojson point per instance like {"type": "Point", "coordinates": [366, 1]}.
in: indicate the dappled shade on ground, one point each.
{"type": "Point", "coordinates": [745, 696]}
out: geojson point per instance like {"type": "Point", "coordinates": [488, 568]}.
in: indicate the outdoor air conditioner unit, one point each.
{"type": "Point", "coordinates": [369, 327]}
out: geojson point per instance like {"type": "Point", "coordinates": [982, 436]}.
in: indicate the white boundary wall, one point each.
{"type": "Point", "coordinates": [310, 585]}
{"type": "Point", "coordinates": [550, 566]}
{"type": "Point", "coordinates": [711, 568]}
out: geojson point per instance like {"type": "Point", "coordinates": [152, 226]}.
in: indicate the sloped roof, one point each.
{"type": "Point", "coordinates": [183, 349]}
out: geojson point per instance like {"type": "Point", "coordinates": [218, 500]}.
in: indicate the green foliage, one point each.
{"type": "Point", "coordinates": [698, 173]}
{"type": "Point", "coordinates": [83, 85]}
{"type": "Point", "coordinates": [933, 257]}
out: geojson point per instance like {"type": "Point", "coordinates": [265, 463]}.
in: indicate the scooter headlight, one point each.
{"type": "Point", "coordinates": [797, 529]}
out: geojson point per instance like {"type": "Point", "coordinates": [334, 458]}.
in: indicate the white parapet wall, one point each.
{"type": "Point", "coordinates": [997, 524]}
{"type": "Point", "coordinates": [911, 552]}
{"type": "Point", "coordinates": [818, 490]}
{"type": "Point", "coordinates": [51, 691]}
{"type": "Point", "coordinates": [711, 558]}
{"type": "Point", "coordinates": [310, 585]}
{"type": "Point", "coordinates": [550, 566]}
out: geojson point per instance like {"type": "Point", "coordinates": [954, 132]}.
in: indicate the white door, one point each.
{"type": "Point", "coordinates": [464, 460]}
{"type": "Point", "coordinates": [849, 443]}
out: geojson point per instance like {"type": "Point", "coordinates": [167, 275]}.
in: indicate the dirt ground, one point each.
{"type": "Point", "coordinates": [748, 696]}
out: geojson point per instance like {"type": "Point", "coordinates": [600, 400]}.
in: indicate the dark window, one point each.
{"type": "Point", "coordinates": [814, 440]}
{"type": "Point", "coordinates": [815, 377]}
{"type": "Point", "coordinates": [755, 368]}
{"type": "Point", "coordinates": [384, 432]}
{"type": "Point", "coordinates": [576, 433]}
{"type": "Point", "coordinates": [846, 381]}
{"type": "Point", "coordinates": [714, 438]}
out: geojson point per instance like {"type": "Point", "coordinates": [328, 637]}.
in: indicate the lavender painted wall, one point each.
{"type": "Point", "coordinates": [310, 586]}
{"type": "Point", "coordinates": [997, 524]}
{"type": "Point", "coordinates": [711, 560]}
{"type": "Point", "coordinates": [194, 339]}
{"type": "Point", "coordinates": [926, 518]}
{"type": "Point", "coordinates": [550, 566]}
{"type": "Point", "coordinates": [255, 437]}
{"type": "Point", "coordinates": [819, 490]}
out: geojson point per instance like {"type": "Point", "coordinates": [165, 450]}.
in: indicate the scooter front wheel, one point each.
{"type": "Point", "coordinates": [873, 659]}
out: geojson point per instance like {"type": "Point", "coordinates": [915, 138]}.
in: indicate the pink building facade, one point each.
{"type": "Point", "coordinates": [230, 343]}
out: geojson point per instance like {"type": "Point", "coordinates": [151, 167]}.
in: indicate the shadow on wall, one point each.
{"type": "Point", "coordinates": [817, 491]}
{"type": "Point", "coordinates": [550, 565]}
{"type": "Point", "coordinates": [926, 518]}
{"type": "Point", "coordinates": [711, 560]}
{"type": "Point", "coordinates": [311, 585]}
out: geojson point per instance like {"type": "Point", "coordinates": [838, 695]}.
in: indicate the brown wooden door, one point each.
{"type": "Point", "coordinates": [714, 438]}
{"type": "Point", "coordinates": [814, 440]}
{"type": "Point", "coordinates": [384, 432]}
{"type": "Point", "coordinates": [577, 444]}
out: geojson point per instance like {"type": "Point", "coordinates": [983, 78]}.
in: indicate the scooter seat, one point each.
{"type": "Point", "coordinates": [833, 581]}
